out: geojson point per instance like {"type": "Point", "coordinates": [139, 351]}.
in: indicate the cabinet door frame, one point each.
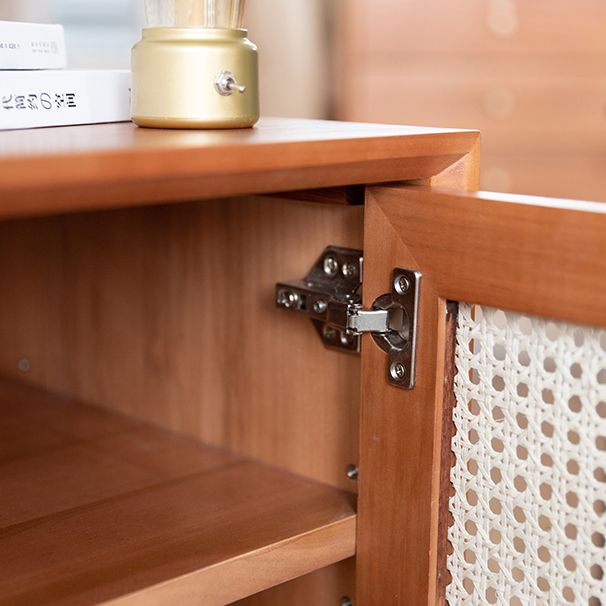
{"type": "Point", "coordinates": [533, 255]}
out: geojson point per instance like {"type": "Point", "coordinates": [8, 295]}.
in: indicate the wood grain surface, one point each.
{"type": "Point", "coordinates": [348, 194]}
{"type": "Point", "coordinates": [112, 511]}
{"type": "Point", "coordinates": [167, 314]}
{"type": "Point", "coordinates": [397, 441]}
{"type": "Point", "coordinates": [529, 254]}
{"type": "Point", "coordinates": [69, 169]}
{"type": "Point", "coordinates": [326, 587]}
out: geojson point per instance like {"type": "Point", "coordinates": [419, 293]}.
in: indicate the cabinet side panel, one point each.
{"type": "Point", "coordinates": [167, 314]}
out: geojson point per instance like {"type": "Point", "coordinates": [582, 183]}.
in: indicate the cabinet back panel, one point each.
{"type": "Point", "coordinates": [167, 314]}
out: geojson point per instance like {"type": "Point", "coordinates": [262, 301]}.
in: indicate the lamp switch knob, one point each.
{"type": "Point", "coordinates": [226, 84]}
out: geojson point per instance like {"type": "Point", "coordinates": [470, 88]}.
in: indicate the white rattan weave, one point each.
{"type": "Point", "coordinates": [530, 473]}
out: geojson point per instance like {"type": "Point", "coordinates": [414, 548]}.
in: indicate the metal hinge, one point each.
{"type": "Point", "coordinates": [330, 295]}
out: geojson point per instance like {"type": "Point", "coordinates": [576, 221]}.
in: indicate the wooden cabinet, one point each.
{"type": "Point", "coordinates": [170, 436]}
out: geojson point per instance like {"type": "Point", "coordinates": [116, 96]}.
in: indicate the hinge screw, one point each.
{"type": "Point", "coordinates": [24, 365]}
{"type": "Point", "coordinates": [346, 601]}
{"type": "Point", "coordinates": [401, 284]}
{"type": "Point", "coordinates": [320, 306]}
{"type": "Point", "coordinates": [331, 266]}
{"type": "Point", "coordinates": [352, 472]}
{"type": "Point", "coordinates": [288, 299]}
{"type": "Point", "coordinates": [347, 338]}
{"type": "Point", "coordinates": [397, 371]}
{"type": "Point", "coordinates": [349, 270]}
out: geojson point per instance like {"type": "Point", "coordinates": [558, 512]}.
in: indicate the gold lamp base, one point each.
{"type": "Point", "coordinates": [194, 77]}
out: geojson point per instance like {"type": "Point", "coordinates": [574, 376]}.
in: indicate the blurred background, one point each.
{"type": "Point", "coordinates": [530, 74]}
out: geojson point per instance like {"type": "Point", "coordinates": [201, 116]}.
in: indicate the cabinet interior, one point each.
{"type": "Point", "coordinates": [166, 425]}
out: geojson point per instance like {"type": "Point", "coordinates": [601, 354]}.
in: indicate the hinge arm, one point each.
{"type": "Point", "coordinates": [361, 320]}
{"type": "Point", "coordinates": [330, 296]}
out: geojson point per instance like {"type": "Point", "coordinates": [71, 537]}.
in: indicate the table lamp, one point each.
{"type": "Point", "coordinates": [195, 67]}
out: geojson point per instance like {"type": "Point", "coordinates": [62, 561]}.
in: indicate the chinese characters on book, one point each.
{"type": "Point", "coordinates": [39, 98]}
{"type": "Point", "coordinates": [44, 101]}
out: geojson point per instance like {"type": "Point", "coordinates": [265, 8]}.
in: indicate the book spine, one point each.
{"type": "Point", "coordinates": [63, 98]}
{"type": "Point", "coordinates": [31, 46]}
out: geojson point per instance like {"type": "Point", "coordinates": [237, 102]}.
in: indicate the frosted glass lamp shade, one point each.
{"type": "Point", "coordinates": [226, 14]}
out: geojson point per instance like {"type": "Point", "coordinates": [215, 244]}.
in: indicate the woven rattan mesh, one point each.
{"type": "Point", "coordinates": [529, 501]}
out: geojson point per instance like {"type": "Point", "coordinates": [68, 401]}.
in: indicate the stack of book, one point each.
{"type": "Point", "coordinates": [36, 89]}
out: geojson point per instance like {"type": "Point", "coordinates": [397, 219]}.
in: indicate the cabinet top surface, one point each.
{"type": "Point", "coordinates": [124, 137]}
{"type": "Point", "coordinates": [283, 151]}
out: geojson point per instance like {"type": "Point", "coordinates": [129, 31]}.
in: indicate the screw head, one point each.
{"type": "Point", "coordinates": [329, 333]}
{"type": "Point", "coordinates": [349, 270]}
{"type": "Point", "coordinates": [24, 365]}
{"type": "Point", "coordinates": [352, 472]}
{"type": "Point", "coordinates": [346, 338]}
{"type": "Point", "coordinates": [331, 266]}
{"type": "Point", "coordinates": [401, 284]}
{"type": "Point", "coordinates": [320, 306]}
{"type": "Point", "coordinates": [346, 601]}
{"type": "Point", "coordinates": [288, 299]}
{"type": "Point", "coordinates": [397, 371]}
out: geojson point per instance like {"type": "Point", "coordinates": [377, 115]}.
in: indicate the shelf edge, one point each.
{"type": "Point", "coordinates": [254, 571]}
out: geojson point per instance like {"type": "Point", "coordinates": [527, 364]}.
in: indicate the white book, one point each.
{"type": "Point", "coordinates": [34, 99]}
{"type": "Point", "coordinates": [31, 46]}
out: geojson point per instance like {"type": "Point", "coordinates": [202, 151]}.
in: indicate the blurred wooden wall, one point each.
{"type": "Point", "coordinates": [530, 74]}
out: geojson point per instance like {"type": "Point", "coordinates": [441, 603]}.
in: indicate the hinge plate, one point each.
{"type": "Point", "coordinates": [400, 343]}
{"type": "Point", "coordinates": [330, 295]}
{"type": "Point", "coordinates": [325, 294]}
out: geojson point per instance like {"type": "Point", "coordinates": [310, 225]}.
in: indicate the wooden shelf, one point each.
{"type": "Point", "coordinates": [54, 170]}
{"type": "Point", "coordinates": [96, 508]}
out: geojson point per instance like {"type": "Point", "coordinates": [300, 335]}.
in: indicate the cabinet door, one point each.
{"type": "Point", "coordinates": [485, 483]}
